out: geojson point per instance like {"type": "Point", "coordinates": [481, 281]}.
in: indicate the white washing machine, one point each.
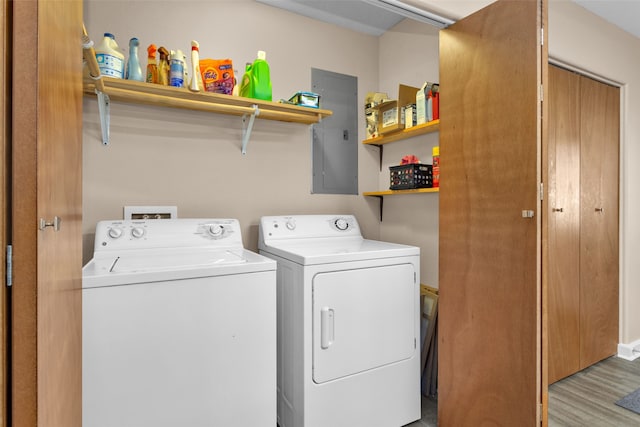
{"type": "Point", "coordinates": [348, 323]}
{"type": "Point", "coordinates": [179, 327]}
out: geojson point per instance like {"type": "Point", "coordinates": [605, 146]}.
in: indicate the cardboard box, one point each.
{"type": "Point", "coordinates": [391, 113]}
{"type": "Point", "coordinates": [371, 101]}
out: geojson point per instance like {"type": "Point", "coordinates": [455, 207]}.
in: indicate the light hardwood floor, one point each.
{"type": "Point", "coordinates": [586, 398]}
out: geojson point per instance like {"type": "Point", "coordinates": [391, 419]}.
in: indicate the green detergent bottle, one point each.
{"type": "Point", "coordinates": [256, 82]}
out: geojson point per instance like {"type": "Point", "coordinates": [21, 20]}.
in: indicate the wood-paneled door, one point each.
{"type": "Point", "coordinates": [599, 229]}
{"type": "Point", "coordinates": [5, 139]}
{"type": "Point", "coordinates": [583, 153]}
{"type": "Point", "coordinates": [46, 182]}
{"type": "Point", "coordinates": [492, 66]}
{"type": "Point", "coordinates": [563, 223]}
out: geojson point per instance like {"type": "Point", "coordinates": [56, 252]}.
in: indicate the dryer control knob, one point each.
{"type": "Point", "coordinates": [215, 230]}
{"type": "Point", "coordinates": [341, 224]}
{"type": "Point", "coordinates": [115, 233]}
{"type": "Point", "coordinates": [291, 224]}
{"type": "Point", "coordinates": [137, 232]}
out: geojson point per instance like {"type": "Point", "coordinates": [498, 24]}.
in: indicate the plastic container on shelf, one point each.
{"type": "Point", "coordinates": [436, 166]}
{"type": "Point", "coordinates": [256, 82]}
{"type": "Point", "coordinates": [163, 66]}
{"type": "Point", "coordinates": [176, 69]}
{"type": "Point", "coordinates": [152, 64]}
{"type": "Point", "coordinates": [109, 57]}
{"type": "Point", "coordinates": [134, 71]}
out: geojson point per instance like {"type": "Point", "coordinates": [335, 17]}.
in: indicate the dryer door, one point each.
{"type": "Point", "coordinates": [363, 319]}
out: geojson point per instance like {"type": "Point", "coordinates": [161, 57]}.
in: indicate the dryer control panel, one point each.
{"type": "Point", "coordinates": [167, 233]}
{"type": "Point", "coordinates": [308, 226]}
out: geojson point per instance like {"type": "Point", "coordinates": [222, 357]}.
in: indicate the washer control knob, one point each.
{"type": "Point", "coordinates": [215, 230]}
{"type": "Point", "coordinates": [291, 224]}
{"type": "Point", "coordinates": [115, 232]}
{"type": "Point", "coordinates": [137, 232]}
{"type": "Point", "coordinates": [341, 224]}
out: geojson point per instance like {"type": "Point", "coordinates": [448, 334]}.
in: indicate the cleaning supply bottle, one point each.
{"type": "Point", "coordinates": [152, 66]}
{"type": "Point", "coordinates": [436, 166]}
{"type": "Point", "coordinates": [256, 82]}
{"type": "Point", "coordinates": [110, 59]}
{"type": "Point", "coordinates": [176, 69]}
{"type": "Point", "coordinates": [134, 71]}
{"type": "Point", "coordinates": [196, 78]}
{"type": "Point", "coordinates": [163, 66]}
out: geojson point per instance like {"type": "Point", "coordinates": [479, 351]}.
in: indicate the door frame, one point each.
{"type": "Point", "coordinates": [5, 197]}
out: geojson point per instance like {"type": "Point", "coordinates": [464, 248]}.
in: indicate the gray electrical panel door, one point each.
{"type": "Point", "coordinates": [335, 138]}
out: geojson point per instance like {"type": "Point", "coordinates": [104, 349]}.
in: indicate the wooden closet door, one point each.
{"type": "Point", "coordinates": [46, 295]}
{"type": "Point", "coordinates": [600, 123]}
{"type": "Point", "coordinates": [489, 349]}
{"type": "Point", "coordinates": [563, 219]}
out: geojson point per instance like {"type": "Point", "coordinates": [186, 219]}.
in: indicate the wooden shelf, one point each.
{"type": "Point", "coordinates": [168, 96]}
{"type": "Point", "coordinates": [394, 192]}
{"type": "Point", "coordinates": [380, 194]}
{"type": "Point", "coordinates": [107, 89]}
{"type": "Point", "coordinates": [432, 126]}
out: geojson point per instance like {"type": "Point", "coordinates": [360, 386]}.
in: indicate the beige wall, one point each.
{"type": "Point", "coordinates": [191, 159]}
{"type": "Point", "coordinates": [409, 55]}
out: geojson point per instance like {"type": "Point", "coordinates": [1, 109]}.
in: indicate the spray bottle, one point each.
{"type": "Point", "coordinates": [152, 66]}
{"type": "Point", "coordinates": [163, 66]}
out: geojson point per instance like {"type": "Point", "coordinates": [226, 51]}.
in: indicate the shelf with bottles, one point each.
{"type": "Point", "coordinates": [429, 127]}
{"type": "Point", "coordinates": [421, 129]}
{"type": "Point", "coordinates": [107, 89]}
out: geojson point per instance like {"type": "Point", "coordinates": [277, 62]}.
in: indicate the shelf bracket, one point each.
{"type": "Point", "coordinates": [381, 200]}
{"type": "Point", "coordinates": [103, 108]}
{"type": "Point", "coordinates": [380, 151]}
{"type": "Point", "coordinates": [247, 128]}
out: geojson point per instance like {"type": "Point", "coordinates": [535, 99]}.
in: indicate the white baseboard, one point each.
{"type": "Point", "coordinates": [625, 351]}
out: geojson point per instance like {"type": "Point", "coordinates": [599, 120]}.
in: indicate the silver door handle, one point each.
{"type": "Point", "coordinates": [55, 223]}
{"type": "Point", "coordinates": [557, 210]}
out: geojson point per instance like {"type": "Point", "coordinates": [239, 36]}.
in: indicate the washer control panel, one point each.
{"type": "Point", "coordinates": [167, 233]}
{"type": "Point", "coordinates": [308, 226]}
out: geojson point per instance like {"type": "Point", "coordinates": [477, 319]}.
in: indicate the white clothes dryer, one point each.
{"type": "Point", "coordinates": [348, 323]}
{"type": "Point", "coordinates": [179, 327]}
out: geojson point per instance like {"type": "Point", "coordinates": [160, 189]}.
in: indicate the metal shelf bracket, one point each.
{"type": "Point", "coordinates": [247, 128]}
{"type": "Point", "coordinates": [105, 111]}
{"type": "Point", "coordinates": [381, 201]}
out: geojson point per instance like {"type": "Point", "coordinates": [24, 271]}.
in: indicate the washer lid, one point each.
{"type": "Point", "coordinates": [139, 263]}
{"type": "Point", "coordinates": [131, 267]}
{"type": "Point", "coordinates": [331, 250]}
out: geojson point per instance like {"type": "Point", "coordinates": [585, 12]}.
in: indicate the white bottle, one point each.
{"type": "Point", "coordinates": [110, 59]}
{"type": "Point", "coordinates": [196, 78]}
{"type": "Point", "coordinates": [176, 69]}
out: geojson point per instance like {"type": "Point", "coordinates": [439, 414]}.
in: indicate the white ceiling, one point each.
{"type": "Point", "coordinates": [377, 16]}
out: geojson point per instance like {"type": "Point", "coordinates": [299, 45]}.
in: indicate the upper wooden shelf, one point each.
{"type": "Point", "coordinates": [432, 126]}
{"type": "Point", "coordinates": [168, 96]}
